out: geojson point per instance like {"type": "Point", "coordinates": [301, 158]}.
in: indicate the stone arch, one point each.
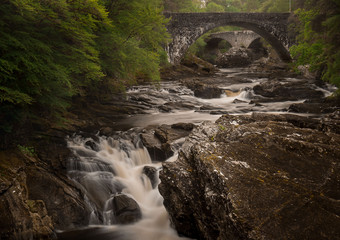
{"type": "Point", "coordinates": [236, 39]}
{"type": "Point", "coordinates": [186, 28]}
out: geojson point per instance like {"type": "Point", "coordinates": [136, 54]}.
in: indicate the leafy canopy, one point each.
{"type": "Point", "coordinates": [51, 50]}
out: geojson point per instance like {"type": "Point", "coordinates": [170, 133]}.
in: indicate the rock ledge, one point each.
{"type": "Point", "coordinates": [256, 177]}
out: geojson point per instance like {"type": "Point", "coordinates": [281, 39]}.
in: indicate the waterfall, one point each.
{"type": "Point", "coordinates": [121, 186]}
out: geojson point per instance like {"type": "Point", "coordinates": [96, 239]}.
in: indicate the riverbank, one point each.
{"type": "Point", "coordinates": [37, 195]}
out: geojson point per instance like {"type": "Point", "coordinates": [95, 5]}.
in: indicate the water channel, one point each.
{"type": "Point", "coordinates": [111, 168]}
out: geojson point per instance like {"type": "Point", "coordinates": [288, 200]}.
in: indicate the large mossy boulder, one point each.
{"type": "Point", "coordinates": [256, 177]}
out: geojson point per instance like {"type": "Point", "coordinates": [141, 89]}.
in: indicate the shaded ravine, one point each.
{"type": "Point", "coordinates": [115, 170]}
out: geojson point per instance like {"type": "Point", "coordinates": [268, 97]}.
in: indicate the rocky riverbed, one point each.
{"type": "Point", "coordinates": [256, 177]}
{"type": "Point", "coordinates": [272, 175]}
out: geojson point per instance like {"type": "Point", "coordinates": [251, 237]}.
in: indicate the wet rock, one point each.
{"type": "Point", "coordinates": [198, 65]}
{"type": "Point", "coordinates": [106, 131]}
{"type": "Point", "coordinates": [162, 133]}
{"type": "Point", "coordinates": [151, 173]}
{"type": "Point", "coordinates": [184, 126]}
{"type": "Point", "coordinates": [256, 177]}
{"type": "Point", "coordinates": [326, 105]}
{"type": "Point", "coordinates": [235, 57]}
{"type": "Point", "coordinates": [218, 112]}
{"type": "Point", "coordinates": [208, 108]}
{"type": "Point", "coordinates": [158, 151]}
{"type": "Point", "coordinates": [164, 108]}
{"type": "Point", "coordinates": [203, 89]}
{"type": "Point", "coordinates": [236, 101]}
{"type": "Point", "coordinates": [99, 187]}
{"type": "Point", "coordinates": [178, 105]}
{"type": "Point", "coordinates": [167, 133]}
{"type": "Point", "coordinates": [125, 209]}
{"type": "Point", "coordinates": [287, 91]}
{"type": "Point", "coordinates": [21, 216]}
{"type": "Point", "coordinates": [159, 140]}
{"type": "Point", "coordinates": [207, 92]}
{"type": "Point", "coordinates": [91, 145]}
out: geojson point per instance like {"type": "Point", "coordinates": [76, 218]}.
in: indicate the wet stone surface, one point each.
{"type": "Point", "coordinates": [256, 177]}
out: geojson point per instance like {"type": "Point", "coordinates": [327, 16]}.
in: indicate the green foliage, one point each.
{"type": "Point", "coordinates": [29, 151]}
{"type": "Point", "coordinates": [213, 7]}
{"type": "Point", "coordinates": [52, 50]}
{"type": "Point", "coordinates": [138, 36]}
{"type": "Point", "coordinates": [182, 5]}
{"type": "Point", "coordinates": [319, 47]}
{"type": "Point", "coordinates": [229, 5]}
{"type": "Point", "coordinates": [198, 47]}
{"type": "Point", "coordinates": [275, 6]}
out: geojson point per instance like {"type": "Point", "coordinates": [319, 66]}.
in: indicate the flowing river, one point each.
{"type": "Point", "coordinates": [116, 172]}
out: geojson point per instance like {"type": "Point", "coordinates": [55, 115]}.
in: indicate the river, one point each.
{"type": "Point", "coordinates": [114, 171]}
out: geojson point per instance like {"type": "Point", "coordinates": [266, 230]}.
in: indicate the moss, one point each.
{"type": "Point", "coordinates": [26, 150]}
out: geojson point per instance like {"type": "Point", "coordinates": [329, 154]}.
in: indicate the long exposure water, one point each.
{"type": "Point", "coordinates": [116, 172]}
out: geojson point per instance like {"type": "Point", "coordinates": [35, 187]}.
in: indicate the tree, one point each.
{"type": "Point", "coordinates": [51, 50]}
{"type": "Point", "coordinates": [213, 7]}
{"type": "Point", "coordinates": [182, 5]}
{"type": "Point", "coordinates": [275, 6]}
{"type": "Point", "coordinates": [318, 43]}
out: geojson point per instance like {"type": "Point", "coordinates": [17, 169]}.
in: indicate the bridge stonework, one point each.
{"type": "Point", "coordinates": [237, 39]}
{"type": "Point", "coordinates": [186, 28]}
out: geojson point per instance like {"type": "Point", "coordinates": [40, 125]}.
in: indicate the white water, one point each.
{"type": "Point", "coordinates": [116, 166]}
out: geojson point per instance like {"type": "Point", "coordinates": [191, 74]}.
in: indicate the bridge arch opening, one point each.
{"type": "Point", "coordinates": [230, 44]}
{"type": "Point", "coordinates": [282, 52]}
{"type": "Point", "coordinates": [186, 28]}
{"type": "Point", "coordinates": [213, 48]}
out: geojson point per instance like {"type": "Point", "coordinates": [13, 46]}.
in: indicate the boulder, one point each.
{"type": "Point", "coordinates": [320, 106]}
{"type": "Point", "coordinates": [184, 126]}
{"type": "Point", "coordinates": [151, 173]}
{"type": "Point", "coordinates": [159, 140]}
{"type": "Point", "coordinates": [287, 91]}
{"type": "Point", "coordinates": [34, 201]}
{"type": "Point", "coordinates": [235, 57]}
{"type": "Point", "coordinates": [125, 209]}
{"type": "Point", "coordinates": [256, 177]}
{"type": "Point", "coordinates": [203, 89]}
{"type": "Point", "coordinates": [158, 151]}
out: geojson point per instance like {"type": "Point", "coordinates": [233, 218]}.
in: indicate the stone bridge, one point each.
{"type": "Point", "coordinates": [186, 28]}
{"type": "Point", "coordinates": [236, 39]}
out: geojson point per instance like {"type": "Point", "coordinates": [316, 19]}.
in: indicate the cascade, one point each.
{"type": "Point", "coordinates": [120, 182]}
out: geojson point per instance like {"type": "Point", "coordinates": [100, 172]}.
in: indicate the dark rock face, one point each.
{"type": "Point", "coordinates": [289, 91]}
{"type": "Point", "coordinates": [158, 151]}
{"type": "Point", "coordinates": [125, 209]}
{"type": "Point", "coordinates": [202, 89]}
{"type": "Point", "coordinates": [326, 105]}
{"type": "Point", "coordinates": [159, 141]}
{"type": "Point", "coordinates": [256, 177]}
{"type": "Point", "coordinates": [151, 173]}
{"type": "Point", "coordinates": [34, 201]}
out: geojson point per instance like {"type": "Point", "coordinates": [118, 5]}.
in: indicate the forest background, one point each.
{"type": "Point", "coordinates": [52, 51]}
